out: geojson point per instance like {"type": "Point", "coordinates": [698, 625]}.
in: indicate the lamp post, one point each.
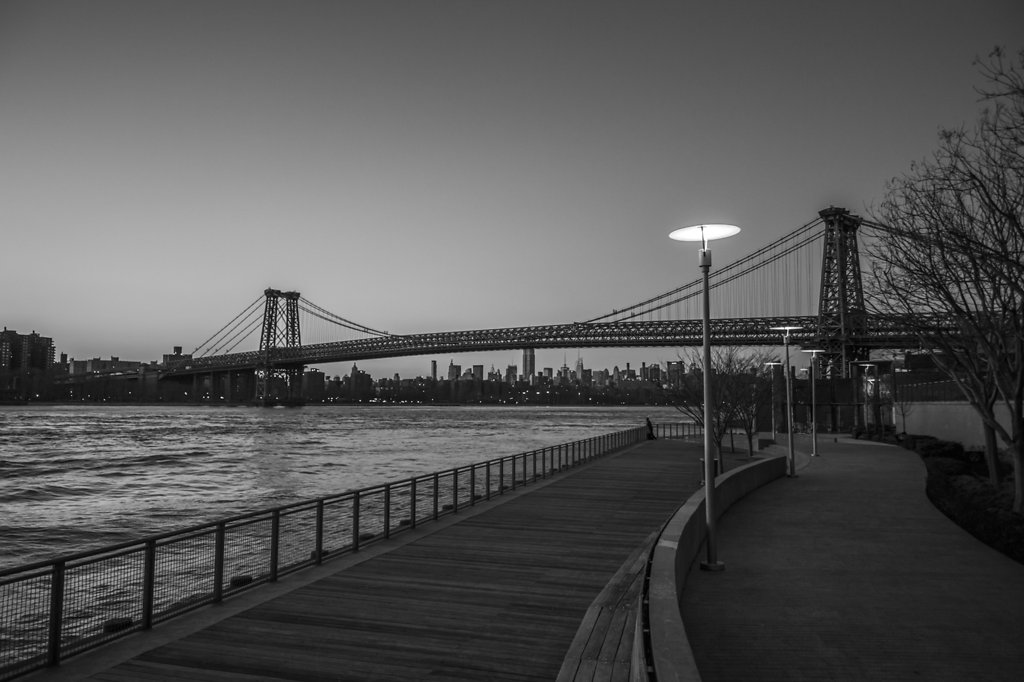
{"type": "Point", "coordinates": [814, 398]}
{"type": "Point", "coordinates": [789, 400]}
{"type": "Point", "coordinates": [875, 408]}
{"type": "Point", "coordinates": [771, 368]}
{"type": "Point", "coordinates": [703, 234]}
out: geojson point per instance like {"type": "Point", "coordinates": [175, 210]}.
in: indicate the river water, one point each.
{"type": "Point", "coordinates": [78, 477]}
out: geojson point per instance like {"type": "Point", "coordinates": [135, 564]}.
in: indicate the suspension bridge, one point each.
{"type": "Point", "coordinates": [809, 279]}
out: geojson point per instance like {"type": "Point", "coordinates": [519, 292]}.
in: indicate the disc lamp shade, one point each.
{"type": "Point", "coordinates": [703, 233]}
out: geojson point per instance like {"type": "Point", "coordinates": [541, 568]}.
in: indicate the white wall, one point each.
{"type": "Point", "coordinates": [951, 421]}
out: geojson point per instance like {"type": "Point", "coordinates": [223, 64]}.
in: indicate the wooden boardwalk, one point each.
{"type": "Point", "coordinates": [499, 595]}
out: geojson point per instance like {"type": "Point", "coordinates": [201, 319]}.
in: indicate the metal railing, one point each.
{"type": "Point", "coordinates": [678, 430]}
{"type": "Point", "coordinates": [51, 610]}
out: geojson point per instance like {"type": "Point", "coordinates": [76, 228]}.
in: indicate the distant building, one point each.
{"type": "Point", "coordinates": [433, 370]}
{"type": "Point", "coordinates": [314, 385]}
{"type": "Point", "coordinates": [25, 362]}
{"type": "Point", "coordinates": [24, 352]}
{"type": "Point", "coordinates": [454, 371]}
{"type": "Point", "coordinates": [675, 370]}
{"type": "Point", "coordinates": [176, 359]}
{"type": "Point", "coordinates": [529, 365]}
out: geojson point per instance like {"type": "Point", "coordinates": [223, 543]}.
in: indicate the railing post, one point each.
{"type": "Point", "coordinates": [148, 584]}
{"type": "Point", "coordinates": [319, 531]}
{"type": "Point", "coordinates": [56, 613]}
{"type": "Point", "coordinates": [412, 503]}
{"type": "Point", "coordinates": [355, 521]}
{"type": "Point", "coordinates": [218, 563]}
{"type": "Point", "coordinates": [437, 493]}
{"type": "Point", "coordinates": [275, 542]}
{"type": "Point", "coordinates": [455, 491]}
{"type": "Point", "coordinates": [487, 481]}
{"type": "Point", "coordinates": [387, 510]}
{"type": "Point", "coordinates": [501, 476]}
{"type": "Point", "coordinates": [544, 462]}
{"type": "Point", "coordinates": [472, 484]}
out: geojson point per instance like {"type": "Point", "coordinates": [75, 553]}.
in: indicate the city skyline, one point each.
{"type": "Point", "coordinates": [434, 166]}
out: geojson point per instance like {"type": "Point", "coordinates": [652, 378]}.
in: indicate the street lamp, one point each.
{"type": "Point", "coordinates": [772, 366]}
{"type": "Point", "coordinates": [814, 398]}
{"type": "Point", "coordinates": [789, 399]}
{"type": "Point", "coordinates": [704, 234]}
{"type": "Point", "coordinates": [875, 408]}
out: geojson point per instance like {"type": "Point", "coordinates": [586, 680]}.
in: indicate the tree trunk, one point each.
{"type": "Point", "coordinates": [1018, 458]}
{"type": "Point", "coordinates": [991, 454]}
{"type": "Point", "coordinates": [1018, 478]}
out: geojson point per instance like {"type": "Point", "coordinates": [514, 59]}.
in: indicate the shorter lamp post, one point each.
{"type": "Point", "coordinates": [875, 408]}
{"type": "Point", "coordinates": [789, 400]}
{"type": "Point", "coordinates": [814, 399]}
{"type": "Point", "coordinates": [771, 368]}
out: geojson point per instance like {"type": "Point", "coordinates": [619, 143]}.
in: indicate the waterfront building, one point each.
{"type": "Point", "coordinates": [314, 385]}
{"type": "Point", "coordinates": [454, 371]}
{"type": "Point", "coordinates": [26, 361]}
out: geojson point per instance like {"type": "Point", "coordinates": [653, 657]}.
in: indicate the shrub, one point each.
{"type": "Point", "coordinates": [982, 510]}
{"type": "Point", "coordinates": [941, 448]}
{"type": "Point", "coordinates": [912, 441]}
{"type": "Point", "coordinates": [947, 466]}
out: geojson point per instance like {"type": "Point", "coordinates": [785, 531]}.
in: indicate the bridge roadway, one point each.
{"type": "Point", "coordinates": [880, 332]}
{"type": "Point", "coordinates": [495, 592]}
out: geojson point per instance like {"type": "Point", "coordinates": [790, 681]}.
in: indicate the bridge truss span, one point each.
{"type": "Point", "coordinates": [880, 332]}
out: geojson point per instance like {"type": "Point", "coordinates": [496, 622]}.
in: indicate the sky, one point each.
{"type": "Point", "coordinates": [440, 165]}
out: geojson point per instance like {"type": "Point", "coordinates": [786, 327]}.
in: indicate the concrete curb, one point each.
{"type": "Point", "coordinates": [675, 549]}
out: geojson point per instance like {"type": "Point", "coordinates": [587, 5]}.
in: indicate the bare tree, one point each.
{"type": "Point", "coordinates": [740, 390]}
{"type": "Point", "coordinates": [951, 244]}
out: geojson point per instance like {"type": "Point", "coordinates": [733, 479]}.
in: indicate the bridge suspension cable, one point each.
{"type": "Point", "coordinates": [307, 306]}
{"type": "Point", "coordinates": [773, 254]}
{"type": "Point", "coordinates": [235, 331]}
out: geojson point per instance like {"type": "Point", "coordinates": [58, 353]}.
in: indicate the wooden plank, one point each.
{"type": "Point", "coordinates": [502, 595]}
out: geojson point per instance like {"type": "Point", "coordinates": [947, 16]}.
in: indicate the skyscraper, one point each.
{"type": "Point", "coordinates": [529, 365]}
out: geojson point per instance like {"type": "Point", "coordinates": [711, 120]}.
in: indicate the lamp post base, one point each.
{"type": "Point", "coordinates": [713, 566]}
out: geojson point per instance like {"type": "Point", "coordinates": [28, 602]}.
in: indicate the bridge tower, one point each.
{"type": "Point", "coordinates": [280, 330]}
{"type": "Point", "coordinates": [841, 314]}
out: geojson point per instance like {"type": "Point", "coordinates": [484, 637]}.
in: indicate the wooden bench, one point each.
{"type": "Point", "coordinates": [603, 646]}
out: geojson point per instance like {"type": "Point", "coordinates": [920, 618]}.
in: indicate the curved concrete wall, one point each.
{"type": "Point", "coordinates": [677, 546]}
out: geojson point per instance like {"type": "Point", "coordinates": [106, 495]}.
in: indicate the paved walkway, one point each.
{"type": "Point", "coordinates": [847, 572]}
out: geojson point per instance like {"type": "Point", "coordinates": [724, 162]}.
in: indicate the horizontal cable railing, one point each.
{"type": "Point", "coordinates": [50, 610]}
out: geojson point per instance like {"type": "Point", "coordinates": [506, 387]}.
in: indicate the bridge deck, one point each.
{"type": "Point", "coordinates": [499, 595]}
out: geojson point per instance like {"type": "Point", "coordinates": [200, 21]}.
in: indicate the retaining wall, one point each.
{"type": "Point", "coordinates": [669, 654]}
